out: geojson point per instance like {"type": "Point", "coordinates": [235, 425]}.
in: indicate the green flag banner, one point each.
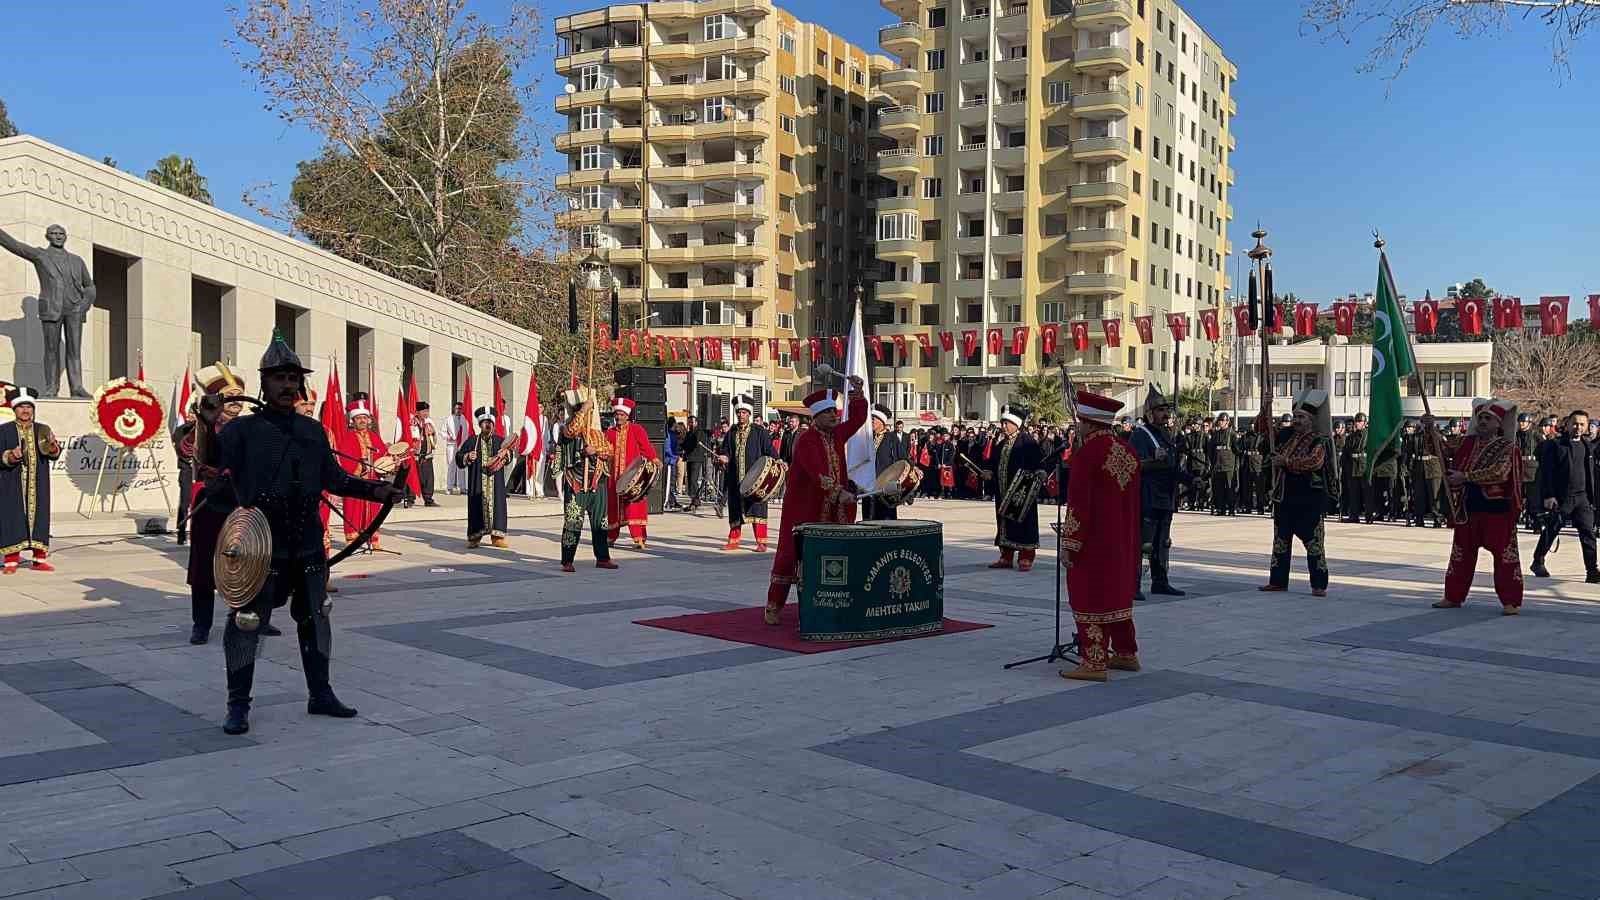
{"type": "Point", "coordinates": [1391, 364]}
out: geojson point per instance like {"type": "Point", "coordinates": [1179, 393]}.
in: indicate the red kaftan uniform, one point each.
{"type": "Point", "coordinates": [365, 446]}
{"type": "Point", "coordinates": [1486, 509]}
{"type": "Point", "coordinates": [631, 445]}
{"type": "Point", "coordinates": [1100, 528]}
{"type": "Point", "coordinates": [817, 475]}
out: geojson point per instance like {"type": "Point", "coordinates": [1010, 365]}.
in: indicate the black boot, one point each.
{"type": "Point", "coordinates": [1538, 569]}
{"type": "Point", "coordinates": [199, 634]}
{"type": "Point", "coordinates": [239, 684]}
{"type": "Point", "coordinates": [322, 701]}
{"type": "Point", "coordinates": [1166, 590]}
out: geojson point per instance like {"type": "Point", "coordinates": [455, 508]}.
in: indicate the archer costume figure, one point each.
{"type": "Point", "coordinates": [584, 454]}
{"type": "Point", "coordinates": [1485, 484]}
{"type": "Point", "coordinates": [1304, 479]}
{"type": "Point", "coordinates": [279, 463]}
{"type": "Point", "coordinates": [628, 441]}
{"type": "Point", "coordinates": [818, 487]}
{"type": "Point", "coordinates": [1100, 541]}
{"type": "Point", "coordinates": [27, 448]}
{"type": "Point", "coordinates": [483, 457]}
{"type": "Point", "coordinates": [742, 448]}
{"type": "Point", "coordinates": [359, 450]}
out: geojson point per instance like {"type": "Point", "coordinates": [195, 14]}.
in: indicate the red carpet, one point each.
{"type": "Point", "coordinates": [746, 626]}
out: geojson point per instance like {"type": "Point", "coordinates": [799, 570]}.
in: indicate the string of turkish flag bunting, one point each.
{"type": "Point", "coordinates": [1500, 312]}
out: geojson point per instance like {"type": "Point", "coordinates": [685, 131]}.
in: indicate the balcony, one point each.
{"type": "Point", "coordinates": [732, 293]}
{"type": "Point", "coordinates": [1103, 14]}
{"type": "Point", "coordinates": [568, 141]}
{"type": "Point", "coordinates": [709, 171]}
{"type": "Point", "coordinates": [566, 181]}
{"type": "Point", "coordinates": [751, 86]}
{"type": "Point", "coordinates": [1096, 283]}
{"type": "Point", "coordinates": [606, 56]}
{"type": "Point", "coordinates": [756, 129]}
{"type": "Point", "coordinates": [910, 10]}
{"type": "Point", "coordinates": [710, 253]}
{"type": "Point", "coordinates": [902, 84]}
{"type": "Point", "coordinates": [1097, 239]}
{"type": "Point", "coordinates": [1011, 18]}
{"type": "Point", "coordinates": [597, 17]}
{"type": "Point", "coordinates": [613, 96]}
{"type": "Point", "coordinates": [756, 45]}
{"type": "Point", "coordinates": [898, 204]}
{"type": "Point", "coordinates": [1227, 175]}
{"type": "Point", "coordinates": [616, 215]}
{"type": "Point", "coordinates": [899, 161]}
{"type": "Point", "coordinates": [1098, 193]}
{"type": "Point", "coordinates": [1118, 59]}
{"type": "Point", "coordinates": [709, 212]}
{"type": "Point", "coordinates": [696, 9]}
{"type": "Point", "coordinates": [907, 248]}
{"type": "Point", "coordinates": [900, 122]}
{"type": "Point", "coordinates": [898, 290]}
{"type": "Point", "coordinates": [1233, 142]}
{"type": "Point", "coordinates": [623, 253]}
{"type": "Point", "coordinates": [903, 40]}
{"type": "Point", "coordinates": [1102, 148]}
{"type": "Point", "coordinates": [1101, 104]}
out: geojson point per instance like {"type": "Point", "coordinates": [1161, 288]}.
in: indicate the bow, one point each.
{"type": "Point", "coordinates": [372, 529]}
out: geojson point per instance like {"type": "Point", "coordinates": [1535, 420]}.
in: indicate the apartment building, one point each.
{"type": "Point", "coordinates": [717, 158]}
{"type": "Point", "coordinates": [1048, 161]}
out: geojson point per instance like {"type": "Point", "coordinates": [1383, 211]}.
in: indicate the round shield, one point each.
{"type": "Point", "coordinates": [243, 556]}
{"type": "Point", "coordinates": [127, 413]}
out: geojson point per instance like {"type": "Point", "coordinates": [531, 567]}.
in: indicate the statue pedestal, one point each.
{"type": "Point", "coordinates": [141, 482]}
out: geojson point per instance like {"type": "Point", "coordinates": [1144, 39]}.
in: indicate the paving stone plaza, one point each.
{"type": "Point", "coordinates": [520, 737]}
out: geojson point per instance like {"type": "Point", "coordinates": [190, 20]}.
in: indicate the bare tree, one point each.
{"type": "Point", "coordinates": [420, 104]}
{"type": "Point", "coordinates": [1406, 24]}
{"type": "Point", "coordinates": [1548, 374]}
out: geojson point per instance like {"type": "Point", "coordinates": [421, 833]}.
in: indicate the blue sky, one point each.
{"type": "Point", "coordinates": [1481, 160]}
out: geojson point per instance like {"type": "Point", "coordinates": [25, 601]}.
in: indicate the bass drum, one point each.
{"type": "Point", "coordinates": [763, 479]}
{"type": "Point", "coordinates": [636, 480]}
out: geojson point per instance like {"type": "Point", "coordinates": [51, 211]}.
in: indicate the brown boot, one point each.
{"type": "Point", "coordinates": [1445, 604]}
{"type": "Point", "coordinates": [1510, 610]}
{"type": "Point", "coordinates": [770, 616]}
{"type": "Point", "coordinates": [499, 542]}
{"type": "Point", "coordinates": [1084, 674]}
{"type": "Point", "coordinates": [1123, 662]}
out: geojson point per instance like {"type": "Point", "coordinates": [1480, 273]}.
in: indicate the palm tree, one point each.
{"type": "Point", "coordinates": [1042, 394]}
{"type": "Point", "coordinates": [177, 173]}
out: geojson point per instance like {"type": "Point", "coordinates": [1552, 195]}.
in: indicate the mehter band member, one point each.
{"type": "Point", "coordinates": [279, 463]}
{"type": "Point", "coordinates": [629, 441]}
{"type": "Point", "coordinates": [889, 450]}
{"type": "Point", "coordinates": [1303, 481]}
{"type": "Point", "coordinates": [27, 448]}
{"type": "Point", "coordinates": [1014, 464]}
{"type": "Point", "coordinates": [1100, 542]}
{"type": "Point", "coordinates": [483, 457]}
{"type": "Point", "coordinates": [1485, 484]}
{"type": "Point", "coordinates": [818, 487]}
{"type": "Point", "coordinates": [359, 450]}
{"type": "Point", "coordinates": [743, 447]}
{"type": "Point", "coordinates": [584, 454]}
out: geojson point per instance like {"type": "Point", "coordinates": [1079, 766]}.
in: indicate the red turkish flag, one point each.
{"type": "Point", "coordinates": [633, 343]}
{"type": "Point", "coordinates": [899, 345]}
{"type": "Point", "coordinates": [816, 348]}
{"type": "Point", "coordinates": [1080, 336]}
{"type": "Point", "coordinates": [969, 343]}
{"type": "Point", "coordinates": [876, 343]}
{"type": "Point", "coordinates": [716, 349]}
{"type": "Point", "coordinates": [1241, 321]}
{"type": "Point", "coordinates": [926, 343]}
{"type": "Point", "coordinates": [1147, 328]}
{"type": "Point", "coordinates": [996, 340]}
{"type": "Point", "coordinates": [1178, 324]}
{"type": "Point", "coordinates": [1275, 317]}
{"type": "Point", "coordinates": [1470, 310]}
{"type": "Point", "coordinates": [1305, 319]}
{"type": "Point", "coordinates": [838, 345]}
{"type": "Point", "coordinates": [1344, 318]}
{"type": "Point", "coordinates": [1553, 316]}
{"type": "Point", "coordinates": [1497, 312]}
{"type": "Point", "coordinates": [794, 350]}
{"type": "Point", "coordinates": [601, 342]}
{"type": "Point", "coordinates": [1514, 313]}
{"type": "Point", "coordinates": [1594, 310]}
{"type": "Point", "coordinates": [1048, 335]}
{"type": "Point", "coordinates": [1113, 330]}
{"type": "Point", "coordinates": [947, 341]}
{"type": "Point", "coordinates": [1209, 324]}
{"type": "Point", "coordinates": [1019, 340]}
{"type": "Point", "coordinates": [772, 347]}
{"type": "Point", "coordinates": [754, 350]}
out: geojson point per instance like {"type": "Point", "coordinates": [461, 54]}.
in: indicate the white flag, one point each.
{"type": "Point", "coordinates": [860, 460]}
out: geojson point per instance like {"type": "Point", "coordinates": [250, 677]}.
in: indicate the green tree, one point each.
{"type": "Point", "coordinates": [1192, 403]}
{"type": "Point", "coordinates": [178, 173]}
{"type": "Point", "coordinates": [1042, 394]}
{"type": "Point", "coordinates": [1449, 330]}
{"type": "Point", "coordinates": [6, 128]}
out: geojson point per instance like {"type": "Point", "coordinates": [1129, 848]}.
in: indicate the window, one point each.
{"type": "Point", "coordinates": [785, 281]}
{"type": "Point", "coordinates": [786, 123]}
{"type": "Point", "coordinates": [786, 84]}
{"type": "Point", "coordinates": [785, 203]}
{"type": "Point", "coordinates": [1355, 384]}
{"type": "Point", "coordinates": [1138, 138]}
{"type": "Point", "coordinates": [936, 17]}
{"type": "Point", "coordinates": [838, 67]}
{"type": "Point", "coordinates": [590, 78]}
{"type": "Point", "coordinates": [719, 27]}
{"type": "Point", "coordinates": [897, 227]}
{"type": "Point", "coordinates": [932, 231]}
{"type": "Point", "coordinates": [1138, 180]}
{"type": "Point", "coordinates": [934, 61]}
{"type": "Point", "coordinates": [714, 109]}
{"type": "Point", "coordinates": [589, 197]}
{"type": "Point", "coordinates": [589, 157]}
{"type": "Point", "coordinates": [929, 274]}
{"type": "Point", "coordinates": [822, 58]}
{"type": "Point", "coordinates": [588, 118]}
{"type": "Point", "coordinates": [1366, 378]}
{"type": "Point", "coordinates": [933, 145]}
{"type": "Point", "coordinates": [589, 237]}
{"type": "Point", "coordinates": [786, 42]}
{"type": "Point", "coordinates": [1053, 311]}
{"type": "Point", "coordinates": [786, 243]}
{"type": "Point", "coordinates": [785, 163]}
{"type": "Point", "coordinates": [1138, 95]}
{"type": "Point", "coordinates": [933, 103]}
{"type": "Point", "coordinates": [1136, 228]}
{"type": "Point", "coordinates": [1058, 92]}
{"type": "Point", "coordinates": [932, 188]}
{"type": "Point", "coordinates": [856, 77]}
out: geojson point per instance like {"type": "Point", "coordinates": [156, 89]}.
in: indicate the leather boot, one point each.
{"type": "Point", "coordinates": [1004, 562]}
{"type": "Point", "coordinates": [322, 701]}
{"type": "Point", "coordinates": [1025, 561]}
{"type": "Point", "coordinates": [239, 683]}
{"type": "Point", "coordinates": [777, 596]}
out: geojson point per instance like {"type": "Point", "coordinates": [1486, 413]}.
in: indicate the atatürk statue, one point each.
{"type": "Point", "coordinates": [66, 292]}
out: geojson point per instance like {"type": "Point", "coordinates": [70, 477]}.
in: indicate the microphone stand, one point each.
{"type": "Point", "coordinates": [1069, 651]}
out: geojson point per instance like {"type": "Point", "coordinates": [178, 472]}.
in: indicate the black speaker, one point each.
{"type": "Point", "coordinates": [650, 413]}
{"type": "Point", "coordinates": [644, 393]}
{"type": "Point", "coordinates": [636, 375]}
{"type": "Point", "coordinates": [657, 431]}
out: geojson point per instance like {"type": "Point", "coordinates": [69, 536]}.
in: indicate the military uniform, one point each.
{"type": "Point", "coordinates": [1304, 478]}
{"type": "Point", "coordinates": [1222, 455]}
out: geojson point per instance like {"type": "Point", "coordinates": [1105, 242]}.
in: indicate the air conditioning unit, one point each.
{"type": "Point", "coordinates": [690, 118]}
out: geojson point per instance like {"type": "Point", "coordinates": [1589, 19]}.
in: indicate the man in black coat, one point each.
{"type": "Point", "coordinates": [695, 450]}
{"type": "Point", "coordinates": [1161, 470]}
{"type": "Point", "coordinates": [1568, 493]}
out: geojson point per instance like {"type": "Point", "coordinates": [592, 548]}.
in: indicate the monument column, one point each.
{"type": "Point", "coordinates": [247, 319]}
{"type": "Point", "coordinates": [159, 313]}
{"type": "Point", "coordinates": [388, 359]}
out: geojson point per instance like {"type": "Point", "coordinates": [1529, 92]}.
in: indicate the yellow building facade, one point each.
{"type": "Point", "coordinates": [717, 162]}
{"type": "Point", "coordinates": [1048, 161]}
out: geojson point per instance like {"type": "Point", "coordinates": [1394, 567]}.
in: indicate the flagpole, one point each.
{"type": "Point", "coordinates": [1416, 379]}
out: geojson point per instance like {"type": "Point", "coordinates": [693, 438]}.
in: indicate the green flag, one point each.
{"type": "Point", "coordinates": [1391, 363]}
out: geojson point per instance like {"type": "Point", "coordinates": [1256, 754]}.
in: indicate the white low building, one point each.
{"type": "Point", "coordinates": [1452, 376]}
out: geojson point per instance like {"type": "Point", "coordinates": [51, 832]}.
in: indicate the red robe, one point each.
{"type": "Point", "coordinates": [631, 446]}
{"type": "Point", "coordinates": [1494, 471]}
{"type": "Point", "coordinates": [1100, 528]}
{"type": "Point", "coordinates": [817, 475]}
{"type": "Point", "coordinates": [365, 446]}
